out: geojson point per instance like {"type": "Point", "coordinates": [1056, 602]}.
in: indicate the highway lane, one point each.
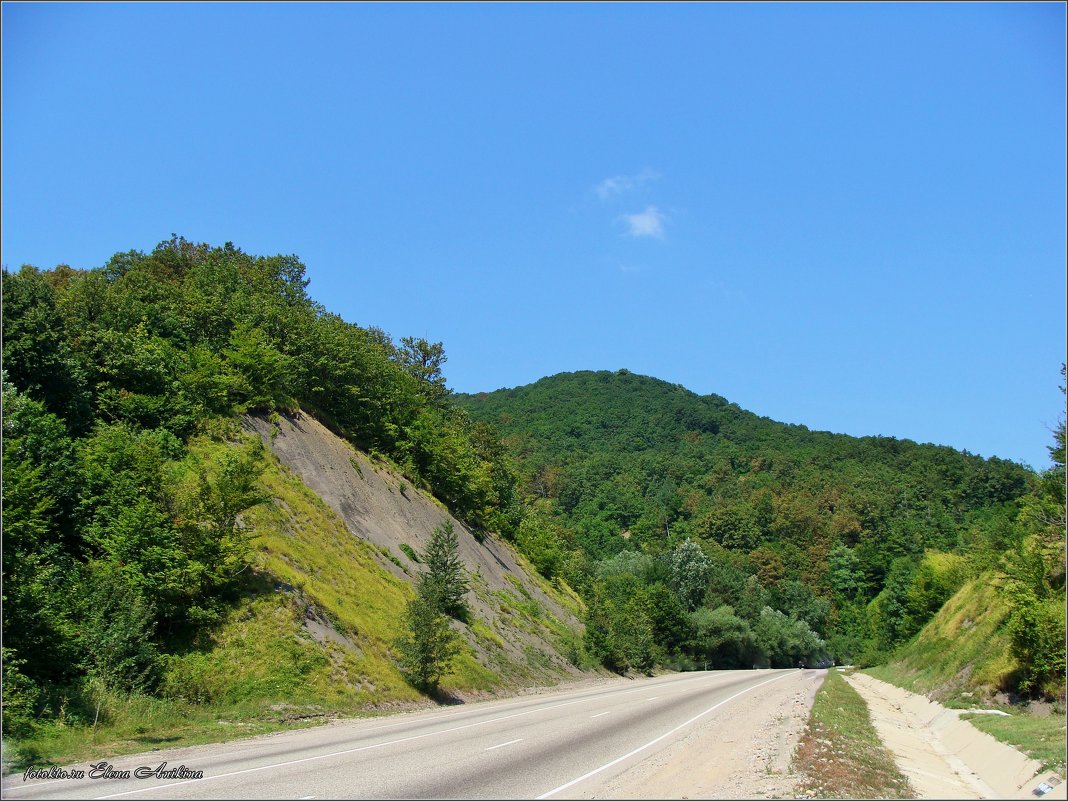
{"type": "Point", "coordinates": [544, 746]}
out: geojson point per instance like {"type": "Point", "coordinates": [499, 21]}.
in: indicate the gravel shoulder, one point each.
{"type": "Point", "coordinates": [943, 756]}
{"type": "Point", "coordinates": [742, 751]}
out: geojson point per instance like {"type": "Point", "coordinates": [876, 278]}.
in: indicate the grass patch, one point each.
{"type": "Point", "coordinates": [515, 582]}
{"type": "Point", "coordinates": [356, 466]}
{"type": "Point", "coordinates": [840, 754]}
{"type": "Point", "coordinates": [307, 547]}
{"type": "Point", "coordinates": [962, 649]}
{"type": "Point", "coordinates": [524, 603]}
{"type": "Point", "coordinates": [558, 589]}
{"type": "Point", "coordinates": [486, 634]}
{"type": "Point", "coordinates": [466, 673]}
{"type": "Point", "coordinates": [139, 723]}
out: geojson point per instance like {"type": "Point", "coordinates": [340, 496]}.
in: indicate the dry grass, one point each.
{"type": "Point", "coordinates": [840, 754]}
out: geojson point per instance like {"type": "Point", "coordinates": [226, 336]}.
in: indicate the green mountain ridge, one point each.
{"type": "Point", "coordinates": [860, 538]}
{"type": "Point", "coordinates": [672, 408]}
{"type": "Point", "coordinates": [587, 421]}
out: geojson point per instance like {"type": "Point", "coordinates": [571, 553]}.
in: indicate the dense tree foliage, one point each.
{"type": "Point", "coordinates": [813, 544]}
{"type": "Point", "coordinates": [1034, 577]}
{"type": "Point", "coordinates": [124, 485]}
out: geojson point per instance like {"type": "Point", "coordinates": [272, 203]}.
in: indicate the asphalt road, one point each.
{"type": "Point", "coordinates": [552, 745]}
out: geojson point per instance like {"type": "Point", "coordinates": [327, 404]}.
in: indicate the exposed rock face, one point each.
{"type": "Point", "coordinates": [382, 508]}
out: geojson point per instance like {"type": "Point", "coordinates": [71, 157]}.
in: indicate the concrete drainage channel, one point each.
{"type": "Point", "coordinates": [946, 757]}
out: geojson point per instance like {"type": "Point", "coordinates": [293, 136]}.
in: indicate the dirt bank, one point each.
{"type": "Point", "coordinates": [381, 507]}
{"type": "Point", "coordinates": [944, 756]}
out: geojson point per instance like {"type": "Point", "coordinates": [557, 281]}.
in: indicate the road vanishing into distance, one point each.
{"type": "Point", "coordinates": [550, 745]}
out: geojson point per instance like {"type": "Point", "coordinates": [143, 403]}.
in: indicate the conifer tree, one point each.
{"type": "Point", "coordinates": [444, 584]}
{"type": "Point", "coordinates": [428, 644]}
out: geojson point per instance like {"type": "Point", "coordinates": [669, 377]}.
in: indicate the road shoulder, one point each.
{"type": "Point", "coordinates": [744, 751]}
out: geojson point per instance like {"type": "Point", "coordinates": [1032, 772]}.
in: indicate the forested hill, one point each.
{"type": "Point", "coordinates": [623, 452]}
{"type": "Point", "coordinates": [144, 535]}
{"type": "Point", "coordinates": [857, 541]}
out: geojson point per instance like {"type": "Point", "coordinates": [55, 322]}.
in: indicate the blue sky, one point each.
{"type": "Point", "coordinates": [846, 216]}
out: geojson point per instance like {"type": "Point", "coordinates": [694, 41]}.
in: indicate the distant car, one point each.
{"type": "Point", "coordinates": [820, 665]}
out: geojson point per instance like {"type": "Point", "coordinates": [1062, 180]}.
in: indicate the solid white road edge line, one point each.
{"type": "Point", "coordinates": [585, 776]}
{"type": "Point", "coordinates": [376, 745]}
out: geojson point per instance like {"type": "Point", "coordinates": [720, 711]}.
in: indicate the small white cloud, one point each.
{"type": "Point", "coordinates": [611, 186]}
{"type": "Point", "coordinates": [618, 184]}
{"type": "Point", "coordinates": [646, 223]}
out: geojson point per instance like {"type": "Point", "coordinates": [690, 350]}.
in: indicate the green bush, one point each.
{"type": "Point", "coordinates": [1037, 628]}
{"type": "Point", "coordinates": [724, 640]}
{"type": "Point", "coordinates": [20, 697]}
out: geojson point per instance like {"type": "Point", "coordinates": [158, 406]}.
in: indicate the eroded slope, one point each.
{"type": "Point", "coordinates": [519, 625]}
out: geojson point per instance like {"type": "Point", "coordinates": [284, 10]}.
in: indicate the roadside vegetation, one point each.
{"type": "Point", "coordinates": [963, 658]}
{"type": "Point", "coordinates": [840, 754]}
{"type": "Point", "coordinates": [963, 655]}
{"type": "Point", "coordinates": [999, 641]}
{"type": "Point", "coordinates": [308, 640]}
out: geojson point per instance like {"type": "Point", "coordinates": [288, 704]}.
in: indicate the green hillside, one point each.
{"type": "Point", "coordinates": [861, 539]}
{"type": "Point", "coordinates": [964, 650]}
{"type": "Point", "coordinates": [166, 577]}
{"type": "Point", "coordinates": [639, 454]}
